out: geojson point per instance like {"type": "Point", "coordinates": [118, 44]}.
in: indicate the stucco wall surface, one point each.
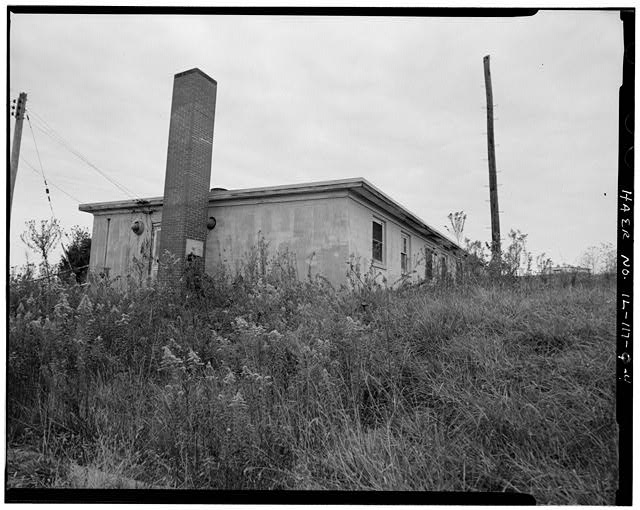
{"type": "Point", "coordinates": [361, 216]}
{"type": "Point", "coordinates": [122, 245]}
{"type": "Point", "coordinates": [313, 230]}
{"type": "Point", "coordinates": [322, 232]}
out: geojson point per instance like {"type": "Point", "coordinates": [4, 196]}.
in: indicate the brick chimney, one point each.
{"type": "Point", "coordinates": [186, 184]}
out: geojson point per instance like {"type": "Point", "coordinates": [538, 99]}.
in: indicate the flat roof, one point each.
{"type": "Point", "coordinates": [356, 185]}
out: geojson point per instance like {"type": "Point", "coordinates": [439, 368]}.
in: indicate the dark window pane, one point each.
{"type": "Point", "coordinates": [403, 262]}
{"type": "Point", "coordinates": [377, 251]}
{"type": "Point", "coordinates": [377, 232]}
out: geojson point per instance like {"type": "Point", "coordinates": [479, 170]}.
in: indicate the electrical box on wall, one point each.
{"type": "Point", "coordinates": [194, 247]}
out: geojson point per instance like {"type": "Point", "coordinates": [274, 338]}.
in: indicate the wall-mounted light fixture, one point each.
{"type": "Point", "coordinates": [137, 227]}
{"type": "Point", "coordinates": [211, 223]}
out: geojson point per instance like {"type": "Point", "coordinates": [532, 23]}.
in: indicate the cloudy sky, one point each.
{"type": "Point", "coordinates": [398, 101]}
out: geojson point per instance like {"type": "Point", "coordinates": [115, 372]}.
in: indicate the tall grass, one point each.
{"type": "Point", "coordinates": [263, 381]}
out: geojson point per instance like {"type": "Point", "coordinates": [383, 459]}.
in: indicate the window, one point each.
{"type": "Point", "coordinates": [405, 253]}
{"type": "Point", "coordinates": [155, 243]}
{"type": "Point", "coordinates": [377, 249]}
{"type": "Point", "coordinates": [459, 270]}
{"type": "Point", "coordinates": [428, 268]}
{"type": "Point", "coordinates": [155, 248]}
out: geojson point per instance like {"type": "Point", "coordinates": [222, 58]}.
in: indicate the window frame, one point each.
{"type": "Point", "coordinates": [444, 267]}
{"type": "Point", "coordinates": [428, 261]}
{"type": "Point", "coordinates": [405, 244]}
{"type": "Point", "coordinates": [156, 231]}
{"type": "Point", "coordinates": [383, 243]}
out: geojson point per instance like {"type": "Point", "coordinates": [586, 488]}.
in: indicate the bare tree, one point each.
{"type": "Point", "coordinates": [600, 259]}
{"type": "Point", "coordinates": [42, 239]}
{"type": "Point", "coordinates": [608, 258]}
{"type": "Point", "coordinates": [517, 259]}
{"type": "Point", "coordinates": [591, 258]}
{"type": "Point", "coordinates": [457, 220]}
{"type": "Point", "coordinates": [477, 259]}
{"type": "Point", "coordinates": [543, 263]}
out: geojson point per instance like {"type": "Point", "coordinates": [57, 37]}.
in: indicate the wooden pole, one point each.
{"type": "Point", "coordinates": [17, 138]}
{"type": "Point", "coordinates": [493, 179]}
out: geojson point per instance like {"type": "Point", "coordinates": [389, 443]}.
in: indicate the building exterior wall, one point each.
{"type": "Point", "coordinates": [313, 229]}
{"type": "Point", "coordinates": [322, 231]}
{"type": "Point", "coordinates": [116, 249]}
{"type": "Point", "coordinates": [361, 217]}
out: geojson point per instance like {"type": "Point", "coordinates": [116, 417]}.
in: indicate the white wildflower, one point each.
{"type": "Point", "coordinates": [170, 362]}
{"type": "Point", "coordinates": [209, 372]}
{"type": "Point", "coordinates": [275, 335]}
{"type": "Point", "coordinates": [238, 402]}
{"type": "Point", "coordinates": [175, 345]}
{"type": "Point", "coordinates": [193, 360]}
{"type": "Point", "coordinates": [123, 320]}
{"type": "Point", "coordinates": [85, 307]}
{"type": "Point", "coordinates": [241, 323]}
{"type": "Point", "coordinates": [62, 308]}
{"type": "Point", "coordinates": [229, 378]}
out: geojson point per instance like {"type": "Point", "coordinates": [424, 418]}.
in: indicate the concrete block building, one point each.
{"type": "Point", "coordinates": [324, 225]}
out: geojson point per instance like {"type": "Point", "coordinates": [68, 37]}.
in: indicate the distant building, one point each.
{"type": "Point", "coordinates": [567, 269]}
{"type": "Point", "coordinates": [325, 225]}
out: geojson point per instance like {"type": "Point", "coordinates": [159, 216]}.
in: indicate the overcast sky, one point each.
{"type": "Point", "coordinates": [398, 101]}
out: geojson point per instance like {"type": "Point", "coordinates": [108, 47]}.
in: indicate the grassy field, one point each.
{"type": "Point", "coordinates": [264, 382]}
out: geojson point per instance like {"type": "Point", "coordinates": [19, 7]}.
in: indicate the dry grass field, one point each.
{"type": "Point", "coordinates": [266, 382]}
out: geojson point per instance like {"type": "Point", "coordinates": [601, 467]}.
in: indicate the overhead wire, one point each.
{"type": "Point", "coordinates": [46, 186]}
{"type": "Point", "coordinates": [52, 184]}
{"type": "Point", "coordinates": [58, 139]}
{"type": "Point", "coordinates": [46, 128]}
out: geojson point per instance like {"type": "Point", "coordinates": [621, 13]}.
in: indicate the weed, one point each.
{"type": "Point", "coordinates": [260, 380]}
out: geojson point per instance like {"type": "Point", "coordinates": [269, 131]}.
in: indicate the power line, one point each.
{"type": "Point", "coordinates": [56, 137]}
{"type": "Point", "coordinates": [61, 141]}
{"type": "Point", "coordinates": [33, 169]}
{"type": "Point", "coordinates": [46, 186]}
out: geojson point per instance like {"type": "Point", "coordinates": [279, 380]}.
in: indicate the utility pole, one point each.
{"type": "Point", "coordinates": [493, 179]}
{"type": "Point", "coordinates": [17, 110]}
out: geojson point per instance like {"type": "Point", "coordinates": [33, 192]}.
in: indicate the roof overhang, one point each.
{"type": "Point", "coordinates": [373, 195]}
{"type": "Point", "coordinates": [359, 187]}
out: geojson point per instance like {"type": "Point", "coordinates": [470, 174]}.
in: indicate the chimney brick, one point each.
{"type": "Point", "coordinates": [186, 186]}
